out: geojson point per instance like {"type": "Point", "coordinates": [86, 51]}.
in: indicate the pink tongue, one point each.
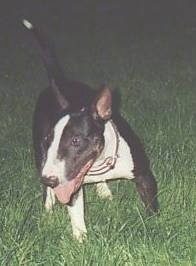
{"type": "Point", "coordinates": [64, 191]}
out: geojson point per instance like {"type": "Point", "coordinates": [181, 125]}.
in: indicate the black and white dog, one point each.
{"type": "Point", "coordinates": [78, 140]}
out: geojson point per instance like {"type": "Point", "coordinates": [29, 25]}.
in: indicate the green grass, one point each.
{"type": "Point", "coordinates": [156, 74]}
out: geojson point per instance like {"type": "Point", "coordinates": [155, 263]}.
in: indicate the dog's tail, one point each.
{"type": "Point", "coordinates": [54, 70]}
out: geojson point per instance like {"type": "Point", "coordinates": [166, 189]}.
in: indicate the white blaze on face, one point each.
{"type": "Point", "coordinates": [53, 166]}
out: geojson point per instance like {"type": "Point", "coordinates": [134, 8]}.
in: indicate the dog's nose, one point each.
{"type": "Point", "coordinates": [50, 181]}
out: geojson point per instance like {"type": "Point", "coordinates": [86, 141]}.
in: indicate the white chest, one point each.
{"type": "Point", "coordinates": [124, 165]}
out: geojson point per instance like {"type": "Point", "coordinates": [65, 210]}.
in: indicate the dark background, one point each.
{"type": "Point", "coordinates": [64, 19]}
{"type": "Point", "coordinates": [76, 15]}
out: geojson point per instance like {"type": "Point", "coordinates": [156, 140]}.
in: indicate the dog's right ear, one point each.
{"type": "Point", "coordinates": [60, 98]}
{"type": "Point", "coordinates": [102, 106]}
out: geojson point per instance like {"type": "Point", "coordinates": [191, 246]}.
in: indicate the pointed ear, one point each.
{"type": "Point", "coordinates": [102, 106]}
{"type": "Point", "coordinates": [60, 98]}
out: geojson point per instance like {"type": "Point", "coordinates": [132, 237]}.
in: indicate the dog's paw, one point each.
{"type": "Point", "coordinates": [103, 191]}
{"type": "Point", "coordinates": [80, 235]}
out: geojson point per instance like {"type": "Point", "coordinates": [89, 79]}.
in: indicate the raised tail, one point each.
{"type": "Point", "coordinates": [54, 70]}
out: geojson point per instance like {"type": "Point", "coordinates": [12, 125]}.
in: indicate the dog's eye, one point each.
{"type": "Point", "coordinates": [75, 141]}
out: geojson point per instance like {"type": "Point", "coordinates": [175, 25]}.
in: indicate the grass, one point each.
{"type": "Point", "coordinates": [156, 74]}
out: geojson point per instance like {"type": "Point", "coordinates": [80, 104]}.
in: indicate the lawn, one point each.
{"type": "Point", "coordinates": [155, 72]}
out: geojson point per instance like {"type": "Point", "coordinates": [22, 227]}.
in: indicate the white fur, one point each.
{"type": "Point", "coordinates": [53, 166]}
{"type": "Point", "coordinates": [27, 24]}
{"type": "Point", "coordinates": [76, 212]}
{"type": "Point", "coordinates": [50, 199]}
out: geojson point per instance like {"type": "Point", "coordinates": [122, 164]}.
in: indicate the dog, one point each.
{"type": "Point", "coordinates": [79, 139]}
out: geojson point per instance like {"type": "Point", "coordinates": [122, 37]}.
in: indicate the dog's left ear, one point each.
{"type": "Point", "coordinates": [102, 106]}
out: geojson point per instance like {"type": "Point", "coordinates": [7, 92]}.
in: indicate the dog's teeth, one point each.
{"type": "Point", "coordinates": [27, 24]}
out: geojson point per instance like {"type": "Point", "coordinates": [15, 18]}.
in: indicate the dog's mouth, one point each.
{"type": "Point", "coordinates": [65, 191]}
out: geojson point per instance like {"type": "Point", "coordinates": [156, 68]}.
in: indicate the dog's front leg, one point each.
{"type": "Point", "coordinates": [76, 212]}
{"type": "Point", "coordinates": [103, 191]}
{"type": "Point", "coordinates": [49, 198]}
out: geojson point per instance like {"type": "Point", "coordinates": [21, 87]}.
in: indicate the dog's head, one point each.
{"type": "Point", "coordinates": [73, 144]}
